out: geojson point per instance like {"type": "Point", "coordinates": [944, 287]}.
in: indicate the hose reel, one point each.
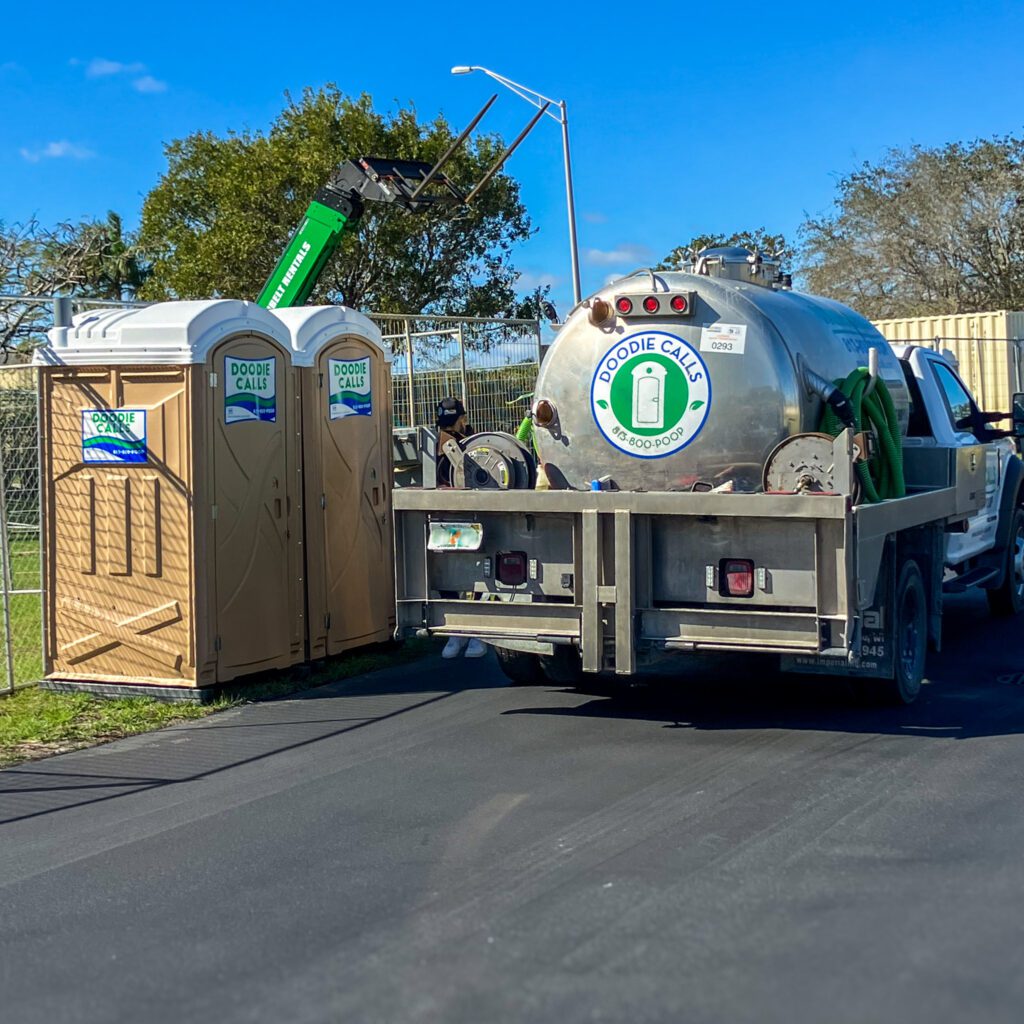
{"type": "Point", "coordinates": [494, 460]}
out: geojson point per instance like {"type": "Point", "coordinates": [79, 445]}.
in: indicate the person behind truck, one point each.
{"type": "Point", "coordinates": [451, 426]}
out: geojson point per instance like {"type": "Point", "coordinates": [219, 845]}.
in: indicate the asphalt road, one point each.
{"type": "Point", "coordinates": [430, 844]}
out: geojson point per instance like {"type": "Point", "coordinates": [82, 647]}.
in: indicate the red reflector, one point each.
{"type": "Point", "coordinates": [737, 576]}
{"type": "Point", "coordinates": [679, 303]}
{"type": "Point", "coordinates": [624, 305]}
{"type": "Point", "coordinates": [651, 304]}
{"type": "Point", "coordinates": [511, 567]}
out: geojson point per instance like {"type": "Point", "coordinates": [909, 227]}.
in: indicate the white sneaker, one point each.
{"type": "Point", "coordinates": [476, 648]}
{"type": "Point", "coordinates": [453, 648]}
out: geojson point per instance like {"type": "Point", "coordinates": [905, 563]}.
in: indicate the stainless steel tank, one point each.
{"type": "Point", "coordinates": [694, 377]}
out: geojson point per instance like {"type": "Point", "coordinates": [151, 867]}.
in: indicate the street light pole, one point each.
{"type": "Point", "coordinates": [538, 100]}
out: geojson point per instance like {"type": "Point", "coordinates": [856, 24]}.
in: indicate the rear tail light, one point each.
{"type": "Point", "coordinates": [679, 303]}
{"type": "Point", "coordinates": [511, 567]}
{"type": "Point", "coordinates": [736, 577]}
{"type": "Point", "coordinates": [651, 304]}
{"type": "Point", "coordinates": [624, 305]}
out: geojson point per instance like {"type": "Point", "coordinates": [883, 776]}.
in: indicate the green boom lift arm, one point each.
{"type": "Point", "coordinates": [411, 185]}
{"type": "Point", "coordinates": [339, 205]}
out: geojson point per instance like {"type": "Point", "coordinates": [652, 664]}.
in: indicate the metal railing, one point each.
{"type": "Point", "coordinates": [489, 364]}
{"type": "Point", "coordinates": [992, 368]}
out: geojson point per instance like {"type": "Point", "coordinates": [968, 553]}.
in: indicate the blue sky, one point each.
{"type": "Point", "coordinates": [684, 118]}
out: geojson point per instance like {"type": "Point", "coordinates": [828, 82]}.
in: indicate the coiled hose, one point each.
{"type": "Point", "coordinates": [881, 476]}
{"type": "Point", "coordinates": [525, 431]}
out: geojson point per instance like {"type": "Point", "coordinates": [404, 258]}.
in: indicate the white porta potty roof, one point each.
{"type": "Point", "coordinates": [166, 333]}
{"type": "Point", "coordinates": [313, 327]}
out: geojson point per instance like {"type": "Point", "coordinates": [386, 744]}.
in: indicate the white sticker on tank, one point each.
{"type": "Point", "coordinates": [727, 338]}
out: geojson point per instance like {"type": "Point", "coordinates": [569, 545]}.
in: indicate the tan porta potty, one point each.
{"type": "Point", "coordinates": [172, 497]}
{"type": "Point", "coordinates": [346, 427]}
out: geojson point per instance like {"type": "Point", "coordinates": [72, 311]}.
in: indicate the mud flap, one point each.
{"type": "Point", "coordinates": [872, 648]}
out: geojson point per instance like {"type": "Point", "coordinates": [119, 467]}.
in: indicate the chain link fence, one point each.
{"type": "Point", "coordinates": [490, 364]}
{"type": "Point", "coordinates": [21, 592]}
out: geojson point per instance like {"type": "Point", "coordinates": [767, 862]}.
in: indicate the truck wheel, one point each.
{"type": "Point", "coordinates": [910, 640]}
{"type": "Point", "coordinates": [564, 667]}
{"type": "Point", "coordinates": [520, 667]}
{"type": "Point", "coordinates": [1008, 597]}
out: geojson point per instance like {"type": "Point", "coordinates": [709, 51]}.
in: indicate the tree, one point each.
{"type": "Point", "coordinates": [93, 258]}
{"type": "Point", "coordinates": [924, 231]}
{"type": "Point", "coordinates": [758, 239]}
{"type": "Point", "coordinates": [225, 208]}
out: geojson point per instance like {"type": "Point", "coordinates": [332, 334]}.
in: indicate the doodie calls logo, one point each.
{"type": "Point", "coordinates": [650, 394]}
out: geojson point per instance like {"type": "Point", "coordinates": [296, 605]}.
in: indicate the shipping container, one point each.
{"type": "Point", "coordinates": [987, 347]}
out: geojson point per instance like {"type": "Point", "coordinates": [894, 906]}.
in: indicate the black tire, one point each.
{"type": "Point", "coordinates": [1008, 598]}
{"type": "Point", "coordinates": [564, 667]}
{"type": "Point", "coordinates": [910, 641]}
{"type": "Point", "coordinates": [520, 667]}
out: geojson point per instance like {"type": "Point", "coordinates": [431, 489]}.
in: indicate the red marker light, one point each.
{"type": "Point", "coordinates": [651, 304]}
{"type": "Point", "coordinates": [624, 305]}
{"type": "Point", "coordinates": [737, 576]}
{"type": "Point", "coordinates": [679, 303]}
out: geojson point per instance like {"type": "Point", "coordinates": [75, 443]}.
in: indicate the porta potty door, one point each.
{"type": "Point", "coordinates": [117, 478]}
{"type": "Point", "coordinates": [256, 510]}
{"type": "Point", "coordinates": [354, 469]}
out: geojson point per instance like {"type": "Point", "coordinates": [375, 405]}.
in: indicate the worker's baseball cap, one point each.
{"type": "Point", "coordinates": [448, 412]}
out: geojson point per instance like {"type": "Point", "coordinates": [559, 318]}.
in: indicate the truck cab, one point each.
{"type": "Point", "coordinates": [944, 414]}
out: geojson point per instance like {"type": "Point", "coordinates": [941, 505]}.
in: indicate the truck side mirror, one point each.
{"type": "Point", "coordinates": [1018, 415]}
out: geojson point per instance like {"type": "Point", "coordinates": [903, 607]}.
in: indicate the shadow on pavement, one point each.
{"type": "Point", "coordinates": [198, 750]}
{"type": "Point", "coordinates": [973, 688]}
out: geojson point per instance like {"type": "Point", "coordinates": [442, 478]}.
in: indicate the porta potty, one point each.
{"type": "Point", "coordinates": [345, 378]}
{"type": "Point", "coordinates": [172, 543]}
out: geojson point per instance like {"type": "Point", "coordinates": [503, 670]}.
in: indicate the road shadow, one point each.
{"type": "Point", "coordinates": [198, 750]}
{"type": "Point", "coordinates": [973, 688]}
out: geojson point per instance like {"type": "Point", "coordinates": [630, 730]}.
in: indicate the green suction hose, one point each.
{"type": "Point", "coordinates": [881, 476]}
{"type": "Point", "coordinates": [525, 431]}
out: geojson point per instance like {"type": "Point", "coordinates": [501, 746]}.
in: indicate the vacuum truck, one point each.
{"type": "Point", "coordinates": [719, 463]}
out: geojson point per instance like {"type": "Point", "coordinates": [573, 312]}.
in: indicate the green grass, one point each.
{"type": "Point", "coordinates": [36, 723]}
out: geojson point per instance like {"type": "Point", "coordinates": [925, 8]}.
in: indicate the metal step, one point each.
{"type": "Point", "coordinates": [972, 578]}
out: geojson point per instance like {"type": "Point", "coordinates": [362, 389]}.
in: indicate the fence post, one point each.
{"type": "Point", "coordinates": [540, 343]}
{"type": "Point", "coordinates": [462, 370]}
{"type": "Point", "coordinates": [410, 380]}
{"type": "Point", "coordinates": [63, 311]}
{"type": "Point", "coordinates": [42, 518]}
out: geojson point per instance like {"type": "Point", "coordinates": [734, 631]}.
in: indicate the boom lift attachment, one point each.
{"type": "Point", "coordinates": [411, 185]}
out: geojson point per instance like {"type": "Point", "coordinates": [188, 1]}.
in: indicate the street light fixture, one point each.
{"type": "Point", "coordinates": [539, 100]}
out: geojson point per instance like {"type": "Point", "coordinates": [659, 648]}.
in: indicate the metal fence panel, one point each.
{"type": "Point", "coordinates": [20, 540]}
{"type": "Point", "coordinates": [490, 364]}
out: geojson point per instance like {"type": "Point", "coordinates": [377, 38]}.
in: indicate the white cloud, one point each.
{"type": "Point", "coordinates": [57, 151]}
{"type": "Point", "coordinates": [594, 218]}
{"type": "Point", "coordinates": [530, 280]}
{"type": "Point", "coordinates": [632, 254]}
{"type": "Point", "coordinates": [147, 83]}
{"type": "Point", "coordinates": [100, 67]}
